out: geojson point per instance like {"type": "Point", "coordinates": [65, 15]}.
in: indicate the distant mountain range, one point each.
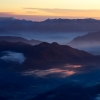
{"type": "Point", "coordinates": [19, 39]}
{"type": "Point", "coordinates": [51, 25]}
{"type": "Point", "coordinates": [89, 40]}
{"type": "Point", "coordinates": [44, 55]}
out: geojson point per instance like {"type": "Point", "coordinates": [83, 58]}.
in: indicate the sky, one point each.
{"type": "Point", "coordinates": [38, 10]}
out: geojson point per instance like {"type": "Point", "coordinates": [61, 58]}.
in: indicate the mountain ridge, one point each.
{"type": "Point", "coordinates": [52, 25]}
{"type": "Point", "coordinates": [46, 54]}
{"type": "Point", "coordinates": [89, 40]}
{"type": "Point", "coordinates": [19, 39]}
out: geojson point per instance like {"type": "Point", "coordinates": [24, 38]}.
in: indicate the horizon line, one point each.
{"type": "Point", "coordinates": [48, 18]}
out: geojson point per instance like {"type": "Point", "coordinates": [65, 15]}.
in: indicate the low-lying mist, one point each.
{"type": "Point", "coordinates": [30, 83]}
{"type": "Point", "coordinates": [61, 38]}
{"type": "Point", "coordinates": [95, 50]}
{"type": "Point", "coordinates": [25, 85]}
{"type": "Point", "coordinates": [13, 56]}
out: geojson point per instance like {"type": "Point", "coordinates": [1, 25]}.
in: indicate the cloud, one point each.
{"type": "Point", "coordinates": [57, 10]}
{"type": "Point", "coordinates": [72, 13]}
{"type": "Point", "coordinates": [73, 66]}
{"type": "Point", "coordinates": [46, 9]}
{"type": "Point", "coordinates": [13, 56]}
{"type": "Point", "coordinates": [40, 14]}
{"type": "Point", "coordinates": [54, 10]}
{"type": "Point", "coordinates": [43, 73]}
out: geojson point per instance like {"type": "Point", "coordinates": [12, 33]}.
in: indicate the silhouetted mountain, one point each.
{"type": "Point", "coordinates": [19, 39]}
{"type": "Point", "coordinates": [88, 40]}
{"type": "Point", "coordinates": [46, 54]}
{"type": "Point", "coordinates": [14, 24]}
{"type": "Point", "coordinates": [51, 25]}
{"type": "Point", "coordinates": [71, 92]}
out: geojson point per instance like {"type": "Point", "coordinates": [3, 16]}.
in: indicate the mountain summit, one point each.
{"type": "Point", "coordinates": [19, 39]}
{"type": "Point", "coordinates": [89, 40]}
{"type": "Point", "coordinates": [46, 54]}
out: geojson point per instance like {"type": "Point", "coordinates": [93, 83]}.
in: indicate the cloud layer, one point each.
{"type": "Point", "coordinates": [13, 56]}
{"type": "Point", "coordinates": [64, 72]}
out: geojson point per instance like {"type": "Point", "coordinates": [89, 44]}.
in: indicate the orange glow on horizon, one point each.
{"type": "Point", "coordinates": [57, 8]}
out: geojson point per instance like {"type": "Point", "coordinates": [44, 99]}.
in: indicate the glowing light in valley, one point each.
{"type": "Point", "coordinates": [73, 66]}
{"type": "Point", "coordinates": [43, 73]}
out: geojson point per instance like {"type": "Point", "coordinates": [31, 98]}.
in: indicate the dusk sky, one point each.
{"type": "Point", "coordinates": [38, 10]}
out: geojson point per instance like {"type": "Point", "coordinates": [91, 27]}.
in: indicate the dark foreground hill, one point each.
{"type": "Point", "coordinates": [45, 54]}
{"type": "Point", "coordinates": [71, 92]}
{"type": "Point", "coordinates": [89, 40]}
{"type": "Point", "coordinates": [19, 39]}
